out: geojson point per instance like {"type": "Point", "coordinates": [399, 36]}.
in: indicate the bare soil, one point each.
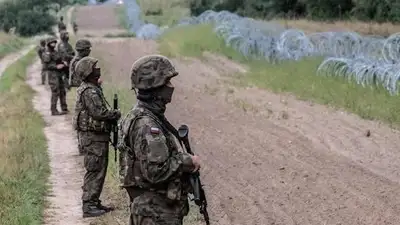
{"type": "Point", "coordinates": [97, 20]}
{"type": "Point", "coordinates": [12, 58]}
{"type": "Point", "coordinates": [66, 177]}
{"type": "Point", "coordinates": [268, 158]}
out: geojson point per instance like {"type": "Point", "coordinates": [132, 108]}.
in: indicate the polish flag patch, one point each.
{"type": "Point", "coordinates": [155, 130]}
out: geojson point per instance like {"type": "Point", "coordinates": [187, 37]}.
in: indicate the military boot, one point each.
{"type": "Point", "coordinates": [55, 113]}
{"type": "Point", "coordinates": [106, 208]}
{"type": "Point", "coordinates": [92, 211]}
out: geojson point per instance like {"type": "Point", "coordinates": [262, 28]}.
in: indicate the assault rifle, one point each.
{"type": "Point", "coordinates": [199, 195]}
{"type": "Point", "coordinates": [115, 129]}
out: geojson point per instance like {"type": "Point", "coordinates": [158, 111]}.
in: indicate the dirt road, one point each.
{"type": "Point", "coordinates": [66, 165]}
{"type": "Point", "coordinates": [11, 58]}
{"type": "Point", "coordinates": [272, 159]}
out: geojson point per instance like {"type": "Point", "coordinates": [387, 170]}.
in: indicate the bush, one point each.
{"type": "Point", "coordinates": [33, 22]}
{"type": "Point", "coordinates": [29, 17]}
{"type": "Point", "coordinates": [377, 10]}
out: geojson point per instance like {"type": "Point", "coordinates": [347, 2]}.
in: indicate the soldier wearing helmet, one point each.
{"type": "Point", "coordinates": [82, 47]}
{"type": "Point", "coordinates": [40, 50]}
{"type": "Point", "coordinates": [153, 170]}
{"type": "Point", "coordinates": [92, 121]}
{"type": "Point", "coordinates": [61, 25]}
{"type": "Point", "coordinates": [67, 53]}
{"type": "Point", "coordinates": [54, 66]}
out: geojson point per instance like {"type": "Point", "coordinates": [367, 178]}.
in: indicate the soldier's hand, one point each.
{"type": "Point", "coordinates": [60, 66]}
{"type": "Point", "coordinates": [117, 114]}
{"type": "Point", "coordinates": [196, 163]}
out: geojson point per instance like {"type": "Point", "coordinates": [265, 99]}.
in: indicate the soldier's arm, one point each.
{"type": "Point", "coordinates": [49, 64]}
{"type": "Point", "coordinates": [71, 70]}
{"type": "Point", "coordinates": [156, 163]}
{"type": "Point", "coordinates": [95, 105]}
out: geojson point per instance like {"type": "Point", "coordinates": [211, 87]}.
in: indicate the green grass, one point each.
{"type": "Point", "coordinates": [120, 35]}
{"type": "Point", "coordinates": [298, 78]}
{"type": "Point", "coordinates": [163, 12]}
{"type": "Point", "coordinates": [24, 165]}
{"type": "Point", "coordinates": [9, 44]}
{"type": "Point", "coordinates": [120, 11]}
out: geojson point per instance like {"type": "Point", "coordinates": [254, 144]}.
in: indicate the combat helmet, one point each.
{"type": "Point", "coordinates": [152, 71]}
{"type": "Point", "coordinates": [63, 34]}
{"type": "Point", "coordinates": [51, 40]}
{"type": "Point", "coordinates": [85, 66]}
{"type": "Point", "coordinates": [82, 44]}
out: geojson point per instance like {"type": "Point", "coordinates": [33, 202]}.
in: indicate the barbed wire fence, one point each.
{"type": "Point", "coordinates": [367, 60]}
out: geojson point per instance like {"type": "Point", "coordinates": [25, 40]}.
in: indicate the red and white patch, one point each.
{"type": "Point", "coordinates": [155, 130]}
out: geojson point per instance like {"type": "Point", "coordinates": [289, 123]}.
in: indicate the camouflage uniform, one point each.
{"type": "Point", "coordinates": [40, 50]}
{"type": "Point", "coordinates": [51, 59]}
{"type": "Point", "coordinates": [75, 27]}
{"type": "Point", "coordinates": [67, 53]}
{"type": "Point", "coordinates": [61, 25]}
{"type": "Point", "coordinates": [82, 47]}
{"type": "Point", "coordinates": [93, 120]}
{"type": "Point", "coordinates": [154, 172]}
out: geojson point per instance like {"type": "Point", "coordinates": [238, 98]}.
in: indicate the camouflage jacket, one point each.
{"type": "Point", "coordinates": [40, 50]}
{"type": "Point", "coordinates": [66, 51]}
{"type": "Point", "coordinates": [152, 157]}
{"type": "Point", "coordinates": [50, 61]}
{"type": "Point", "coordinates": [61, 26]}
{"type": "Point", "coordinates": [74, 81]}
{"type": "Point", "coordinates": [91, 111]}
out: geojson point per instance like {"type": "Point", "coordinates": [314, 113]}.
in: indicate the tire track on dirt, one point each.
{"type": "Point", "coordinates": [12, 58]}
{"type": "Point", "coordinates": [66, 165]}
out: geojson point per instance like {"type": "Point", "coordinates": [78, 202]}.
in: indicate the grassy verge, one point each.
{"type": "Point", "coordinates": [161, 12]}
{"type": "Point", "coordinates": [9, 44]}
{"type": "Point", "coordinates": [24, 162]}
{"type": "Point", "coordinates": [297, 78]}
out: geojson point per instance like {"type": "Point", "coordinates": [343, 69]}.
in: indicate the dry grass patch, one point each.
{"type": "Point", "coordinates": [24, 162]}
{"type": "Point", "coordinates": [9, 43]}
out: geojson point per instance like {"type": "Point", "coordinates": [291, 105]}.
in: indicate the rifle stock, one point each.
{"type": "Point", "coordinates": [115, 128]}
{"type": "Point", "coordinates": [199, 196]}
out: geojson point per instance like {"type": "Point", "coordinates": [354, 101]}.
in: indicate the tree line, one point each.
{"type": "Point", "coordinates": [31, 17]}
{"type": "Point", "coordinates": [327, 10]}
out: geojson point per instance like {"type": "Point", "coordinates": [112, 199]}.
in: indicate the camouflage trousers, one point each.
{"type": "Point", "coordinates": [96, 161]}
{"type": "Point", "coordinates": [43, 75]}
{"type": "Point", "coordinates": [150, 208]}
{"type": "Point", "coordinates": [80, 149]}
{"type": "Point", "coordinates": [58, 91]}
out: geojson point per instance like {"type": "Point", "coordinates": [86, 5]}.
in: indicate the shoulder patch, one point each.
{"type": "Point", "coordinates": [155, 130]}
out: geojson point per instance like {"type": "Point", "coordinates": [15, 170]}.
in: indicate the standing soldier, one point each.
{"type": "Point", "coordinates": [61, 25]}
{"type": "Point", "coordinates": [54, 65]}
{"type": "Point", "coordinates": [75, 27]}
{"type": "Point", "coordinates": [67, 53]}
{"type": "Point", "coordinates": [155, 172]}
{"type": "Point", "coordinates": [40, 50]}
{"type": "Point", "coordinates": [93, 120]}
{"type": "Point", "coordinates": [83, 48]}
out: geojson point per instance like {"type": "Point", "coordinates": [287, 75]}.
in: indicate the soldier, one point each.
{"type": "Point", "coordinates": [155, 175]}
{"type": "Point", "coordinates": [61, 25]}
{"type": "Point", "coordinates": [67, 54]}
{"type": "Point", "coordinates": [40, 50]}
{"type": "Point", "coordinates": [83, 48]}
{"type": "Point", "coordinates": [54, 66]}
{"type": "Point", "coordinates": [93, 120]}
{"type": "Point", "coordinates": [75, 27]}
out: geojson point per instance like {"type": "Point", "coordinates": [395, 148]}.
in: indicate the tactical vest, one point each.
{"type": "Point", "coordinates": [82, 121]}
{"type": "Point", "coordinates": [75, 81]}
{"type": "Point", "coordinates": [131, 174]}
